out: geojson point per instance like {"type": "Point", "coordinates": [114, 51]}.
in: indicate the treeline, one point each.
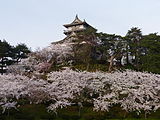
{"type": "Point", "coordinates": [11, 54]}
{"type": "Point", "coordinates": [133, 51]}
{"type": "Point", "coordinates": [93, 51]}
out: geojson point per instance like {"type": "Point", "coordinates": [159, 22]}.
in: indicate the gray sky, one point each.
{"type": "Point", "coordinates": [37, 23]}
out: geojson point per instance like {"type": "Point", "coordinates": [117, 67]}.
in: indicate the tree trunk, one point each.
{"type": "Point", "coordinates": [145, 115]}
{"type": "Point", "coordinates": [2, 66]}
{"type": "Point", "coordinates": [127, 56]}
{"type": "Point", "coordinates": [111, 63]}
{"type": "Point", "coordinates": [87, 66]}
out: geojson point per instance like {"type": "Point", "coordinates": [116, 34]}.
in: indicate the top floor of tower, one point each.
{"type": "Point", "coordinates": [76, 26]}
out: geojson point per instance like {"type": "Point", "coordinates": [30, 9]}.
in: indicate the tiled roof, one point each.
{"type": "Point", "coordinates": [77, 21]}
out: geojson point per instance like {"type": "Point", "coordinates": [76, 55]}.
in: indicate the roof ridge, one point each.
{"type": "Point", "coordinates": [76, 20]}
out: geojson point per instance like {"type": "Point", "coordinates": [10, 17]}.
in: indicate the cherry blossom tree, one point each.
{"type": "Point", "coordinates": [133, 91]}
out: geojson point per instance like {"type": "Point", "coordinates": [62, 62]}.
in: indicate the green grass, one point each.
{"type": "Point", "coordinates": [132, 119]}
{"type": "Point", "coordinates": [39, 112]}
{"type": "Point", "coordinates": [91, 67]}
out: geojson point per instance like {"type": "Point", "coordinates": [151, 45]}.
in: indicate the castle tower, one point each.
{"type": "Point", "coordinates": [76, 26]}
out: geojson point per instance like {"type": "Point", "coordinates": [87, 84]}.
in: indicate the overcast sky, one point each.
{"type": "Point", "coordinates": [37, 23]}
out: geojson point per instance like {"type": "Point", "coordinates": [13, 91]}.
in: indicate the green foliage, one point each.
{"type": "Point", "coordinates": [112, 47]}
{"type": "Point", "coordinates": [20, 51]}
{"type": "Point", "coordinates": [133, 51]}
{"type": "Point", "coordinates": [10, 54]}
{"type": "Point", "coordinates": [151, 55]}
{"type": "Point", "coordinates": [83, 53]}
{"type": "Point", "coordinates": [6, 52]}
{"type": "Point", "coordinates": [141, 52]}
{"type": "Point", "coordinates": [133, 39]}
